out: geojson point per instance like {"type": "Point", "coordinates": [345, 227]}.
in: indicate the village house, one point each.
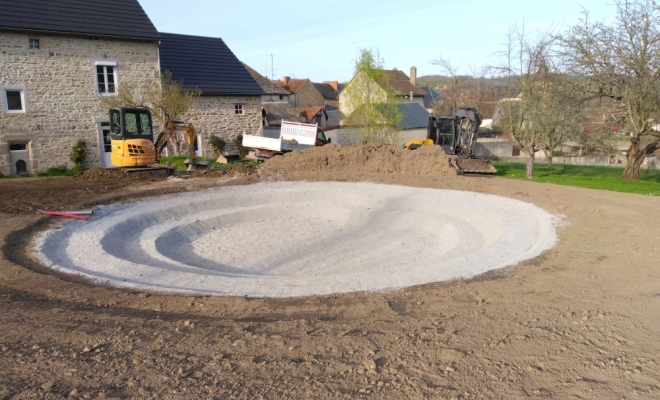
{"type": "Point", "coordinates": [275, 105]}
{"type": "Point", "coordinates": [314, 115]}
{"type": "Point", "coordinates": [230, 101]}
{"type": "Point", "coordinates": [304, 93]}
{"type": "Point", "coordinates": [57, 62]}
{"type": "Point", "coordinates": [405, 89]}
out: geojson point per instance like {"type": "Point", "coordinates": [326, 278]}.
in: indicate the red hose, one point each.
{"type": "Point", "coordinates": [61, 214]}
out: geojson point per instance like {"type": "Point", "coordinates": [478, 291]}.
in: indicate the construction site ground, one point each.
{"type": "Point", "coordinates": [581, 321]}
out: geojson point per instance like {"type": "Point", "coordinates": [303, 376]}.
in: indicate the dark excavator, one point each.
{"type": "Point", "coordinates": [457, 135]}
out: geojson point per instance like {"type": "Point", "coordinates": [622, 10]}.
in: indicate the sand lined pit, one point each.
{"type": "Point", "coordinates": [292, 239]}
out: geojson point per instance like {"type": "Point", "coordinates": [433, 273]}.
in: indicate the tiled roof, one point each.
{"type": "Point", "coordinates": [334, 117]}
{"type": "Point", "coordinates": [293, 86]}
{"type": "Point", "coordinates": [431, 96]}
{"type": "Point", "coordinates": [327, 91]}
{"type": "Point", "coordinates": [266, 84]}
{"type": "Point", "coordinates": [118, 18]}
{"type": "Point", "coordinates": [309, 113]}
{"type": "Point", "coordinates": [205, 64]}
{"type": "Point", "coordinates": [276, 112]}
{"type": "Point", "coordinates": [415, 116]}
{"type": "Point", "coordinates": [401, 84]}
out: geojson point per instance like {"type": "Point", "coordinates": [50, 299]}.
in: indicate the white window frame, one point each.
{"type": "Point", "coordinates": [24, 103]}
{"type": "Point", "coordinates": [115, 73]}
{"type": "Point", "coordinates": [36, 41]}
{"type": "Point", "coordinates": [238, 107]}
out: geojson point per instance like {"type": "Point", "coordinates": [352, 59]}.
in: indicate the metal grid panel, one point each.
{"type": "Point", "coordinates": [302, 133]}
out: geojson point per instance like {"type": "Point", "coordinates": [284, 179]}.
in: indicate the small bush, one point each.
{"type": "Point", "coordinates": [55, 171]}
{"type": "Point", "coordinates": [238, 142]}
{"type": "Point", "coordinates": [78, 169]}
{"type": "Point", "coordinates": [217, 144]}
{"type": "Point", "coordinates": [79, 152]}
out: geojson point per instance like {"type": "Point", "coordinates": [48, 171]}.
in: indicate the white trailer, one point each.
{"type": "Point", "coordinates": [281, 139]}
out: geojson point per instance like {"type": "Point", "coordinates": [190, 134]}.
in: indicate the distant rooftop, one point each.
{"type": "Point", "coordinates": [292, 85]}
{"type": "Point", "coordinates": [401, 84]}
{"type": "Point", "coordinates": [327, 91]}
{"type": "Point", "coordinates": [415, 116]}
{"type": "Point", "coordinates": [276, 112]}
{"type": "Point", "coordinates": [268, 86]}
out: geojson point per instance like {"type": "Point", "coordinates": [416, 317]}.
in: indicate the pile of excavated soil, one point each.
{"type": "Point", "coordinates": [98, 173]}
{"type": "Point", "coordinates": [427, 160]}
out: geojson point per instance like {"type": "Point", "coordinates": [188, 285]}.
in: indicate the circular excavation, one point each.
{"type": "Point", "coordinates": [295, 239]}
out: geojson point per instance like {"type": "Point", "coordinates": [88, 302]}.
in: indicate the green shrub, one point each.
{"type": "Point", "coordinates": [78, 169]}
{"type": "Point", "coordinates": [217, 144]}
{"type": "Point", "coordinates": [79, 152]}
{"type": "Point", "coordinates": [238, 142]}
{"type": "Point", "coordinates": [60, 170]}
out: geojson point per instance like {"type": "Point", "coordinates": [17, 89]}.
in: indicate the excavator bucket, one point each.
{"type": "Point", "coordinates": [473, 166]}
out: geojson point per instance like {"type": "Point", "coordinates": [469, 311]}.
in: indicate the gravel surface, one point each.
{"type": "Point", "coordinates": [295, 239]}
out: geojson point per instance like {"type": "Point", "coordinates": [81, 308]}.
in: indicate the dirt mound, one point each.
{"type": "Point", "coordinates": [98, 173]}
{"type": "Point", "coordinates": [103, 173]}
{"type": "Point", "coordinates": [239, 170]}
{"type": "Point", "coordinates": [427, 160]}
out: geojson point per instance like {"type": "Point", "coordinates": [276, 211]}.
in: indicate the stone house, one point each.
{"type": "Point", "coordinates": [304, 93]}
{"type": "Point", "coordinates": [314, 115]}
{"type": "Point", "coordinates": [405, 89]}
{"type": "Point", "coordinates": [273, 113]}
{"type": "Point", "coordinates": [230, 101]}
{"type": "Point", "coordinates": [330, 93]}
{"type": "Point", "coordinates": [56, 66]}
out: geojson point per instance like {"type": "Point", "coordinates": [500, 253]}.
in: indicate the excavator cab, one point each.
{"type": "Point", "coordinates": [131, 137]}
{"type": "Point", "coordinates": [457, 135]}
{"type": "Point", "coordinates": [443, 132]}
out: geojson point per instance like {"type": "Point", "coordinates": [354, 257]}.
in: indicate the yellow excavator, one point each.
{"type": "Point", "coordinates": [457, 135]}
{"type": "Point", "coordinates": [132, 138]}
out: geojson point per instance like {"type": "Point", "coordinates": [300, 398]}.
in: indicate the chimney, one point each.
{"type": "Point", "coordinates": [413, 75]}
{"type": "Point", "coordinates": [287, 79]}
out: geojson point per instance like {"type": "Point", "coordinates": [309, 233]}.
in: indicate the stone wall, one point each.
{"type": "Point", "coordinates": [62, 101]}
{"type": "Point", "coordinates": [215, 115]}
{"type": "Point", "coordinates": [493, 148]}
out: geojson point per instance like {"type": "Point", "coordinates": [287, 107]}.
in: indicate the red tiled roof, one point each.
{"type": "Point", "coordinates": [293, 86]}
{"type": "Point", "coordinates": [401, 84]}
{"type": "Point", "coordinates": [309, 112]}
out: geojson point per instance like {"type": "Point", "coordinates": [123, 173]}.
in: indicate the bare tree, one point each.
{"type": "Point", "coordinates": [556, 112]}
{"type": "Point", "coordinates": [522, 60]}
{"type": "Point", "coordinates": [621, 61]}
{"type": "Point", "coordinates": [461, 92]}
{"type": "Point", "coordinates": [547, 108]}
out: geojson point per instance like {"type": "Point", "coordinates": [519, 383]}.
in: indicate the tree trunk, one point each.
{"type": "Point", "coordinates": [635, 159]}
{"type": "Point", "coordinates": [530, 166]}
{"type": "Point", "coordinates": [548, 158]}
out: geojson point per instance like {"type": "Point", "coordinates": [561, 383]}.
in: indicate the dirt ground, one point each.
{"type": "Point", "coordinates": [581, 321]}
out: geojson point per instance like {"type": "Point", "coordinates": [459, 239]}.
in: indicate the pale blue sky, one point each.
{"type": "Point", "coordinates": [320, 40]}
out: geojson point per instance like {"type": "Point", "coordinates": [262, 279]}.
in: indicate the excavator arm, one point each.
{"type": "Point", "coordinates": [468, 121]}
{"type": "Point", "coordinates": [163, 137]}
{"type": "Point", "coordinates": [171, 127]}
